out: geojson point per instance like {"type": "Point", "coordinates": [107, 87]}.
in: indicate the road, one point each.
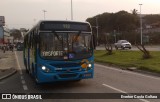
{"type": "Point", "coordinates": [106, 80]}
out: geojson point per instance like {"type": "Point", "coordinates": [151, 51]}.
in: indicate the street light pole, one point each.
{"type": "Point", "coordinates": [44, 11]}
{"type": "Point", "coordinates": [71, 11]}
{"type": "Point", "coordinates": [115, 39]}
{"type": "Point", "coordinates": [141, 25]}
{"type": "Point", "coordinates": [97, 29]}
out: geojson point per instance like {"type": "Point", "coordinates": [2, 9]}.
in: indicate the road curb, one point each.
{"type": "Point", "coordinates": [132, 69]}
{"type": "Point", "coordinates": [8, 74]}
{"type": "Point", "coordinates": [146, 72]}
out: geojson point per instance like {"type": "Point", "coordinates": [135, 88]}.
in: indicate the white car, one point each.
{"type": "Point", "coordinates": [123, 44]}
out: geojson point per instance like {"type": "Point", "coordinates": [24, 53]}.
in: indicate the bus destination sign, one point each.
{"type": "Point", "coordinates": [71, 26]}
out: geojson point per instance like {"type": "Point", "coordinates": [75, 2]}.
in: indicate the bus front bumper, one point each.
{"type": "Point", "coordinates": [43, 77]}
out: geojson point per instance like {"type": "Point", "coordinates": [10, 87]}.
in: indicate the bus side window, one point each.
{"type": "Point", "coordinates": [32, 41]}
{"type": "Point", "coordinates": [29, 40]}
{"type": "Point", "coordinates": [93, 41]}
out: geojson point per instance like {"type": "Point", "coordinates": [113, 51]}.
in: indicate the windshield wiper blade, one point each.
{"type": "Point", "coordinates": [57, 36]}
{"type": "Point", "coordinates": [76, 37]}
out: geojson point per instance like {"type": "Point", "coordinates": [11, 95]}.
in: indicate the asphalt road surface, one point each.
{"type": "Point", "coordinates": [106, 80]}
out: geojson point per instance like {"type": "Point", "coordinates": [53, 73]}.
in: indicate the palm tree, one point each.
{"type": "Point", "coordinates": [134, 12]}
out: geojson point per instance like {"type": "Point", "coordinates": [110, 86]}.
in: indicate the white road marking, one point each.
{"type": "Point", "coordinates": [116, 69]}
{"type": "Point", "coordinates": [122, 91]}
{"type": "Point", "coordinates": [22, 78]}
{"type": "Point", "coordinates": [20, 71]}
{"type": "Point", "coordinates": [114, 88]}
{"type": "Point", "coordinates": [2, 82]}
{"type": "Point", "coordinates": [23, 82]}
{"type": "Point", "coordinates": [25, 87]}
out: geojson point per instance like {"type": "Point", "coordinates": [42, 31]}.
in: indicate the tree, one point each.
{"type": "Point", "coordinates": [107, 42]}
{"type": "Point", "coordinates": [134, 12]}
{"type": "Point", "coordinates": [16, 33]}
{"type": "Point", "coordinates": [146, 54]}
{"type": "Point", "coordinates": [125, 24]}
{"type": "Point", "coordinates": [122, 22]}
{"type": "Point", "coordinates": [150, 19]}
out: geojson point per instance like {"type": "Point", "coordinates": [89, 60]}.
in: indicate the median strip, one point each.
{"type": "Point", "coordinates": [131, 60]}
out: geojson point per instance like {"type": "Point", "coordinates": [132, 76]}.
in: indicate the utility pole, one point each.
{"type": "Point", "coordinates": [71, 11]}
{"type": "Point", "coordinates": [34, 22]}
{"type": "Point", "coordinates": [97, 29]}
{"type": "Point", "coordinates": [115, 39]}
{"type": "Point", "coordinates": [44, 11]}
{"type": "Point", "coordinates": [141, 25]}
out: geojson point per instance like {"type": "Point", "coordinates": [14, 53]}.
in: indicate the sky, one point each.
{"type": "Point", "coordinates": [26, 13]}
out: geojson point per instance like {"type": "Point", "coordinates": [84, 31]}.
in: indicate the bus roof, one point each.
{"type": "Point", "coordinates": [61, 25]}
{"type": "Point", "coordinates": [61, 21]}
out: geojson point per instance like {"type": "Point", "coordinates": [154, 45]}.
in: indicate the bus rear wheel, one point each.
{"type": "Point", "coordinates": [27, 71]}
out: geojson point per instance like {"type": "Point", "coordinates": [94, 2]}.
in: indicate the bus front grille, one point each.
{"type": "Point", "coordinates": [70, 67]}
{"type": "Point", "coordinates": [68, 75]}
{"type": "Point", "coordinates": [67, 65]}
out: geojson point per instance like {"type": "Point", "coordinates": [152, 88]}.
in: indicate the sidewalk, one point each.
{"type": "Point", "coordinates": [7, 64]}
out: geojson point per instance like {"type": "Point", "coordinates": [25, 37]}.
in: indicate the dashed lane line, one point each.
{"type": "Point", "coordinates": [25, 87]}
{"type": "Point", "coordinates": [23, 82]}
{"type": "Point", "coordinates": [22, 78]}
{"type": "Point", "coordinates": [20, 71]}
{"type": "Point", "coordinates": [2, 82]}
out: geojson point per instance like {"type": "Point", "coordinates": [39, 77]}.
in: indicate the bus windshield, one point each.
{"type": "Point", "coordinates": [65, 46]}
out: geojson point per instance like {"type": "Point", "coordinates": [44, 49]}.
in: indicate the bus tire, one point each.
{"type": "Point", "coordinates": [27, 71]}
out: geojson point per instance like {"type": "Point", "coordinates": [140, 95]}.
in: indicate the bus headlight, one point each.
{"type": "Point", "coordinates": [89, 65]}
{"type": "Point", "coordinates": [45, 69]}
{"type": "Point", "coordinates": [85, 63]}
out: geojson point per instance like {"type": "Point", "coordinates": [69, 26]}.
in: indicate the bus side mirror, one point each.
{"type": "Point", "coordinates": [94, 42]}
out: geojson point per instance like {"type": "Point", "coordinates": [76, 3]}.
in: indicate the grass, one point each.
{"type": "Point", "coordinates": [125, 59]}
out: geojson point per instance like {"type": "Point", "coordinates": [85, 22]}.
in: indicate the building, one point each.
{"type": "Point", "coordinates": [7, 38]}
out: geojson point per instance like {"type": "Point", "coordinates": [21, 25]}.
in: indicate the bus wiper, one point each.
{"type": "Point", "coordinates": [57, 36]}
{"type": "Point", "coordinates": [77, 37]}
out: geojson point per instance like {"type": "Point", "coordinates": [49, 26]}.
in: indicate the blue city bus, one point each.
{"type": "Point", "coordinates": [59, 51]}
